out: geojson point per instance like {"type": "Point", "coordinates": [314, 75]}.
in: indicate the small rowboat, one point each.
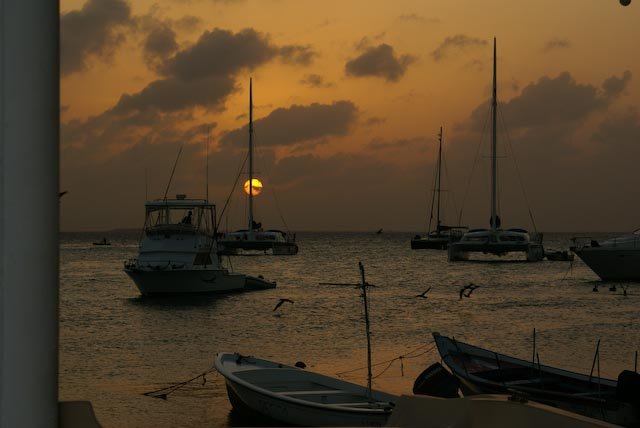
{"type": "Point", "coordinates": [295, 396]}
{"type": "Point", "coordinates": [481, 371]}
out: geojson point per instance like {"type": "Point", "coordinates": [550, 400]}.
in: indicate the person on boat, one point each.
{"type": "Point", "coordinates": [187, 218]}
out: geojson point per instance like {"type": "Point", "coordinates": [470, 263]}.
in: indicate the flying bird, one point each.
{"type": "Point", "coordinates": [424, 293]}
{"type": "Point", "coordinates": [467, 290]}
{"type": "Point", "coordinates": [281, 302]}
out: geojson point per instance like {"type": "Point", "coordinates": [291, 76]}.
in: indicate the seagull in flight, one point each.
{"type": "Point", "coordinates": [467, 290]}
{"type": "Point", "coordinates": [423, 294]}
{"type": "Point", "coordinates": [281, 302]}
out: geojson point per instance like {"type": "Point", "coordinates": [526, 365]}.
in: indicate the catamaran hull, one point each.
{"type": "Point", "coordinates": [247, 400]}
{"type": "Point", "coordinates": [429, 244]}
{"type": "Point", "coordinates": [241, 247]}
{"type": "Point", "coordinates": [612, 265]}
{"type": "Point", "coordinates": [460, 251]}
{"type": "Point", "coordinates": [194, 281]}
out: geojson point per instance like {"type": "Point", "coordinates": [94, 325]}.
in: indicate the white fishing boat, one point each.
{"type": "Point", "coordinates": [616, 259]}
{"type": "Point", "coordinates": [292, 395]}
{"type": "Point", "coordinates": [496, 241]}
{"type": "Point", "coordinates": [177, 252]}
{"type": "Point", "coordinates": [254, 238]}
{"type": "Point", "coordinates": [440, 237]}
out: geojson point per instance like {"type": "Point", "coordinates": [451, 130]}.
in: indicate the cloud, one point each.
{"type": "Point", "coordinates": [379, 61]}
{"type": "Point", "coordinates": [92, 31]}
{"type": "Point", "coordinates": [555, 44]}
{"type": "Point", "coordinates": [220, 52]}
{"type": "Point", "coordinates": [298, 124]}
{"type": "Point", "coordinates": [457, 43]}
{"type": "Point", "coordinates": [614, 86]}
{"type": "Point", "coordinates": [160, 43]}
{"type": "Point", "coordinates": [374, 120]}
{"type": "Point", "coordinates": [297, 55]}
{"type": "Point", "coordinates": [315, 81]}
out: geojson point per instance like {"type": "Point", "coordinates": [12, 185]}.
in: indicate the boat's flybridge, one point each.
{"type": "Point", "coordinates": [180, 216]}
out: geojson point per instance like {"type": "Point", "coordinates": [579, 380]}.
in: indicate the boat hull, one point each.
{"type": "Point", "coordinates": [429, 244]}
{"type": "Point", "coordinates": [611, 264]}
{"type": "Point", "coordinates": [248, 400]}
{"type": "Point", "coordinates": [194, 281]}
{"type": "Point", "coordinates": [481, 371]}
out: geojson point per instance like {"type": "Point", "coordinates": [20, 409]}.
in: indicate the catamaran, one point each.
{"type": "Point", "coordinates": [254, 237]}
{"type": "Point", "coordinates": [496, 241]}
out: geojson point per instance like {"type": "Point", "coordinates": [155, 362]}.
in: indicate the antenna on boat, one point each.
{"type": "Point", "coordinates": [364, 286]}
{"type": "Point", "coordinates": [172, 172]}
{"type": "Point", "coordinates": [439, 179]}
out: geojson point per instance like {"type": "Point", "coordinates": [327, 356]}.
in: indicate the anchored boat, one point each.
{"type": "Point", "coordinates": [496, 241]}
{"type": "Point", "coordinates": [177, 252]}
{"type": "Point", "coordinates": [442, 235]}
{"type": "Point", "coordinates": [616, 259]}
{"type": "Point", "coordinates": [254, 237]}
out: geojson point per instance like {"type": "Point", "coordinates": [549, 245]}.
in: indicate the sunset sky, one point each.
{"type": "Point", "coordinates": [349, 97]}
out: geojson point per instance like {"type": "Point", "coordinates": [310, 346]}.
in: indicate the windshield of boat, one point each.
{"type": "Point", "coordinates": [180, 219]}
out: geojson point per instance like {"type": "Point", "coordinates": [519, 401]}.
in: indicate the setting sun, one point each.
{"type": "Point", "coordinates": [256, 187]}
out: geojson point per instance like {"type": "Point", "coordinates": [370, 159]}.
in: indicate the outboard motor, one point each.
{"type": "Point", "coordinates": [628, 389]}
{"type": "Point", "coordinates": [436, 381]}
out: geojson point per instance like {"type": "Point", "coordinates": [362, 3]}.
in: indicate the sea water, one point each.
{"type": "Point", "coordinates": [115, 345]}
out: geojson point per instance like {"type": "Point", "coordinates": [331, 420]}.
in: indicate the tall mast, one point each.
{"type": "Point", "coordinates": [494, 109]}
{"type": "Point", "coordinates": [250, 154]}
{"type": "Point", "coordinates": [439, 182]}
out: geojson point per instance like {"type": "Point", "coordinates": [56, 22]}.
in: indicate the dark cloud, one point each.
{"type": "Point", "coordinates": [315, 81]}
{"type": "Point", "coordinates": [298, 55]}
{"type": "Point", "coordinates": [379, 61]}
{"type": "Point", "coordinates": [188, 23]}
{"type": "Point", "coordinates": [92, 31]}
{"type": "Point", "coordinates": [452, 44]}
{"type": "Point", "coordinates": [555, 44]}
{"type": "Point", "coordinates": [160, 43]}
{"type": "Point", "coordinates": [220, 52]}
{"type": "Point", "coordinates": [614, 86]}
{"type": "Point", "coordinates": [297, 124]}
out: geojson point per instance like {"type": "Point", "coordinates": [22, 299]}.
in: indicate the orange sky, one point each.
{"type": "Point", "coordinates": [349, 97]}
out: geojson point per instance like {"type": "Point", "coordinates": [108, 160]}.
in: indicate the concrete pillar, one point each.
{"type": "Point", "coordinates": [29, 118]}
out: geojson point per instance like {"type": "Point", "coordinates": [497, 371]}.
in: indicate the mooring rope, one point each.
{"type": "Point", "coordinates": [162, 393]}
{"type": "Point", "coordinates": [431, 345]}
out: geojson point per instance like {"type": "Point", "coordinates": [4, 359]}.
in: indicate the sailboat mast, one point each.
{"type": "Point", "coordinates": [250, 154]}
{"type": "Point", "coordinates": [494, 109]}
{"type": "Point", "coordinates": [439, 180]}
{"type": "Point", "coordinates": [366, 323]}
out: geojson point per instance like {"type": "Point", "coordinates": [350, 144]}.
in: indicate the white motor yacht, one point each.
{"type": "Point", "coordinates": [178, 252]}
{"type": "Point", "coordinates": [616, 259]}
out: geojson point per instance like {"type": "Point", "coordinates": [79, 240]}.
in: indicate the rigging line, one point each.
{"type": "Point", "coordinates": [275, 198]}
{"type": "Point", "coordinates": [475, 162]}
{"type": "Point", "coordinates": [433, 197]}
{"type": "Point", "coordinates": [175, 164]}
{"type": "Point", "coordinates": [450, 194]}
{"type": "Point", "coordinates": [235, 183]}
{"type": "Point", "coordinates": [515, 163]}
{"type": "Point", "coordinates": [408, 355]}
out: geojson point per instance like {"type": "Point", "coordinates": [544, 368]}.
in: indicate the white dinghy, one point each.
{"type": "Point", "coordinates": [295, 396]}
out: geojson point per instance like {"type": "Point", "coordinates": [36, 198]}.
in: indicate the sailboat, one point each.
{"type": "Point", "coordinates": [495, 241]}
{"type": "Point", "coordinates": [439, 238]}
{"type": "Point", "coordinates": [254, 237]}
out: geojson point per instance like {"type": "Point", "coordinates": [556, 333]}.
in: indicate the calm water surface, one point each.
{"type": "Point", "coordinates": [114, 345]}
